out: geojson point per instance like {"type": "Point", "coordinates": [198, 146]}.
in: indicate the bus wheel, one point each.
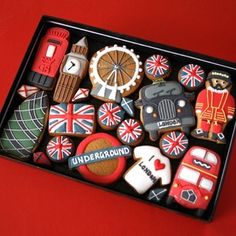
{"type": "Point", "coordinates": [170, 200]}
{"type": "Point", "coordinates": [200, 212]}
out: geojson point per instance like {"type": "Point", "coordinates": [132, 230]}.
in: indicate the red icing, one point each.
{"type": "Point", "coordinates": [214, 107]}
{"type": "Point", "coordinates": [55, 37]}
{"type": "Point", "coordinates": [96, 178]}
{"type": "Point", "coordinates": [159, 165]}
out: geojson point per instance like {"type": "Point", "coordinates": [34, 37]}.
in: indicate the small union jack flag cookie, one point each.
{"type": "Point", "coordinates": [174, 144]}
{"type": "Point", "coordinates": [71, 119]}
{"type": "Point", "coordinates": [110, 115]}
{"type": "Point", "coordinates": [26, 90]}
{"type": "Point", "coordinates": [191, 76]}
{"type": "Point", "coordinates": [60, 148]}
{"type": "Point", "coordinates": [157, 67]}
{"type": "Point", "coordinates": [130, 132]}
{"type": "Point", "coordinates": [81, 95]}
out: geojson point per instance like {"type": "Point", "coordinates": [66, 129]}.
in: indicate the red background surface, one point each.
{"type": "Point", "coordinates": [34, 202]}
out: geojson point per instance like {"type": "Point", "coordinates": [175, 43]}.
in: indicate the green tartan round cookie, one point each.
{"type": "Point", "coordinates": [23, 131]}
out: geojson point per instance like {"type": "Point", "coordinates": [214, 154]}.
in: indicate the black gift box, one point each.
{"type": "Point", "coordinates": [98, 39]}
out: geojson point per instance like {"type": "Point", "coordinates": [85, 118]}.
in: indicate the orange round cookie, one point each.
{"type": "Point", "coordinates": [105, 171]}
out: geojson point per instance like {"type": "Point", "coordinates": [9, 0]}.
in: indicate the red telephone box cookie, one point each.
{"type": "Point", "coordinates": [103, 168]}
{"type": "Point", "coordinates": [48, 58]}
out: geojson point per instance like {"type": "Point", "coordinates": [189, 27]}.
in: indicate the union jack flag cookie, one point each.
{"type": "Point", "coordinates": [60, 148]}
{"type": "Point", "coordinates": [130, 132]}
{"type": "Point", "coordinates": [71, 119]}
{"type": "Point", "coordinates": [174, 144]}
{"type": "Point", "coordinates": [81, 95]}
{"type": "Point", "coordinates": [110, 115]}
{"type": "Point", "coordinates": [26, 90]}
{"type": "Point", "coordinates": [157, 67]}
{"type": "Point", "coordinates": [191, 76]}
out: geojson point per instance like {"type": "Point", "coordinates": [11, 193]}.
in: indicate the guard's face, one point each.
{"type": "Point", "coordinates": [219, 84]}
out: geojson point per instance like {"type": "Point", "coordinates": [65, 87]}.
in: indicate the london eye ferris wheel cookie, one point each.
{"type": "Point", "coordinates": [115, 72]}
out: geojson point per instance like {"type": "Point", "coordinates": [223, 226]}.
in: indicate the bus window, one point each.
{"type": "Point", "coordinates": [206, 184]}
{"type": "Point", "coordinates": [189, 175]}
{"type": "Point", "coordinates": [198, 152]}
{"type": "Point", "coordinates": [211, 158]}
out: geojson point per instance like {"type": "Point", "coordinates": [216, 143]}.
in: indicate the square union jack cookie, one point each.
{"type": "Point", "coordinates": [71, 119]}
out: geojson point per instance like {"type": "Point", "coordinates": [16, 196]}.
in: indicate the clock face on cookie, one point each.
{"type": "Point", "coordinates": [72, 66]}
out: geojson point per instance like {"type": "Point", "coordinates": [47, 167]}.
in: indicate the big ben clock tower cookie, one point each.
{"type": "Point", "coordinates": [73, 70]}
{"type": "Point", "coordinates": [115, 72]}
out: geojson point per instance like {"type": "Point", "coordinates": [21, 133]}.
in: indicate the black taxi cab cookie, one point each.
{"type": "Point", "coordinates": [100, 158]}
{"type": "Point", "coordinates": [25, 128]}
{"type": "Point", "coordinates": [150, 167]}
{"type": "Point", "coordinates": [115, 72]}
{"type": "Point", "coordinates": [165, 107]}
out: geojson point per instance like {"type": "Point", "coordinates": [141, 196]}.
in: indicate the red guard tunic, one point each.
{"type": "Point", "coordinates": [216, 108]}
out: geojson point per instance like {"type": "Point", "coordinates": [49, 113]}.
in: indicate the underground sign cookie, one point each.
{"type": "Point", "coordinates": [191, 76]}
{"type": "Point", "coordinates": [110, 115]}
{"type": "Point", "coordinates": [157, 67]}
{"type": "Point", "coordinates": [130, 132]}
{"type": "Point", "coordinates": [115, 72]}
{"type": "Point", "coordinates": [173, 144]}
{"type": "Point", "coordinates": [24, 130]}
{"type": "Point", "coordinates": [60, 148]}
{"type": "Point", "coordinates": [100, 158]}
{"type": "Point", "coordinates": [150, 167]}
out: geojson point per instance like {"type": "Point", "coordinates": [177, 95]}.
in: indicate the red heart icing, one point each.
{"type": "Point", "coordinates": [158, 165]}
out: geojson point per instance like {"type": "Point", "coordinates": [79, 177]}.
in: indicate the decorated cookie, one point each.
{"type": "Point", "coordinates": [51, 51]}
{"type": "Point", "coordinates": [155, 195]}
{"type": "Point", "coordinates": [25, 90]}
{"type": "Point", "coordinates": [40, 158]}
{"type": "Point", "coordinates": [128, 105]}
{"type": "Point", "coordinates": [130, 132]}
{"type": "Point", "coordinates": [195, 180]}
{"type": "Point", "coordinates": [115, 72]}
{"type": "Point", "coordinates": [157, 67]}
{"type": "Point", "coordinates": [165, 107]}
{"type": "Point", "coordinates": [81, 95]}
{"type": "Point", "coordinates": [60, 148]}
{"type": "Point", "coordinates": [24, 130]}
{"type": "Point", "coordinates": [150, 167]}
{"type": "Point", "coordinates": [191, 76]}
{"type": "Point", "coordinates": [110, 115]}
{"type": "Point", "coordinates": [73, 69]}
{"type": "Point", "coordinates": [71, 119]}
{"type": "Point", "coordinates": [100, 158]}
{"type": "Point", "coordinates": [173, 144]}
{"type": "Point", "coordinates": [214, 108]}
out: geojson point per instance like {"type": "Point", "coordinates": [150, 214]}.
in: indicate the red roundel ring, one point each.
{"type": "Point", "coordinates": [101, 179]}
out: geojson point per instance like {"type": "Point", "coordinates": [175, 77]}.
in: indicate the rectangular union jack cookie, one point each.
{"type": "Point", "coordinates": [71, 119]}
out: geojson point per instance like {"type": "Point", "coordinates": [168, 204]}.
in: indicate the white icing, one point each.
{"type": "Point", "coordinates": [181, 103]}
{"type": "Point", "coordinates": [217, 91]}
{"type": "Point", "coordinates": [198, 152]}
{"type": "Point", "coordinates": [143, 175]}
{"type": "Point", "coordinates": [206, 184]}
{"type": "Point", "coordinates": [50, 51]}
{"type": "Point", "coordinates": [97, 77]}
{"type": "Point", "coordinates": [211, 158]}
{"type": "Point", "coordinates": [189, 175]}
{"type": "Point", "coordinates": [149, 109]}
